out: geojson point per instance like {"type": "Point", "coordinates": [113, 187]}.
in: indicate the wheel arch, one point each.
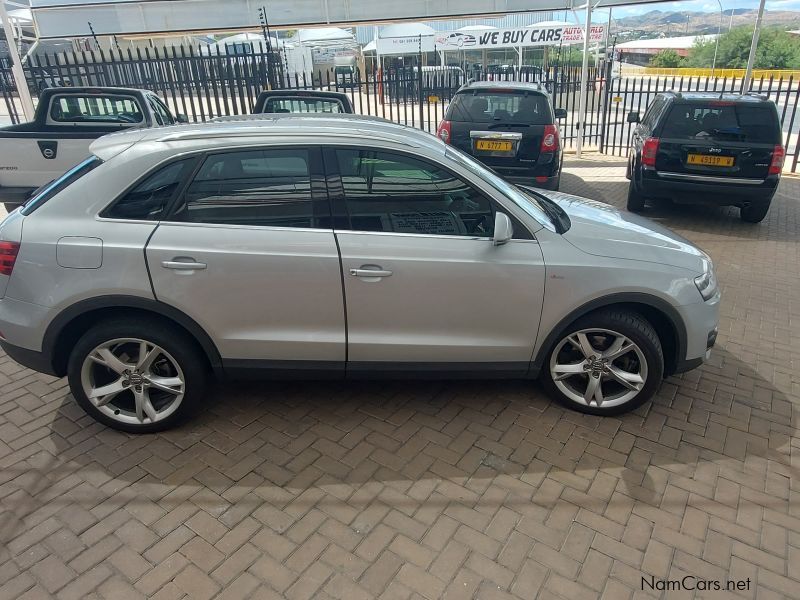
{"type": "Point", "coordinates": [667, 322]}
{"type": "Point", "coordinates": [65, 329]}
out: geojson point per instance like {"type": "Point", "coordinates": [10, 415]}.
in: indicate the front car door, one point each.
{"type": "Point", "coordinates": [250, 255]}
{"type": "Point", "coordinates": [425, 287]}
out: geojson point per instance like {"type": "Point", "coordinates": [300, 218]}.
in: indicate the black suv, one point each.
{"type": "Point", "coordinates": [723, 149]}
{"type": "Point", "coordinates": [508, 126]}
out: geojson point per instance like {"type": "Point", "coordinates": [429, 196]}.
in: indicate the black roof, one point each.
{"type": "Point", "coordinates": [750, 98]}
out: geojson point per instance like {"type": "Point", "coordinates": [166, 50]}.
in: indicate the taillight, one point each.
{"type": "Point", "coordinates": [8, 256]}
{"type": "Point", "coordinates": [649, 151]}
{"type": "Point", "coordinates": [776, 166]}
{"type": "Point", "coordinates": [443, 132]}
{"type": "Point", "coordinates": [549, 139]}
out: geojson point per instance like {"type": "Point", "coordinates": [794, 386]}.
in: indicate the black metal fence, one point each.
{"type": "Point", "coordinates": [204, 84]}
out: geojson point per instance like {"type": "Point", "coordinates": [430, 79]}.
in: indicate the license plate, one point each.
{"type": "Point", "coordinates": [494, 145]}
{"type": "Point", "coordinates": [708, 160]}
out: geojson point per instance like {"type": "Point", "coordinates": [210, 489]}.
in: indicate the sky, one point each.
{"type": "Point", "coordinates": [695, 6]}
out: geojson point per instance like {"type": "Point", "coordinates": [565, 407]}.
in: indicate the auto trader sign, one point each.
{"type": "Point", "coordinates": [516, 37]}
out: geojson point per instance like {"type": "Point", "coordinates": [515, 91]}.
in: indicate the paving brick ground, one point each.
{"type": "Point", "coordinates": [429, 490]}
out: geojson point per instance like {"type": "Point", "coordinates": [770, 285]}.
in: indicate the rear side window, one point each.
{"type": "Point", "coordinates": [531, 109]}
{"type": "Point", "coordinates": [48, 190]}
{"type": "Point", "coordinates": [93, 109]}
{"type": "Point", "coordinates": [267, 188]}
{"type": "Point", "coordinates": [302, 105]}
{"type": "Point", "coordinates": [148, 200]}
{"type": "Point", "coordinates": [723, 122]}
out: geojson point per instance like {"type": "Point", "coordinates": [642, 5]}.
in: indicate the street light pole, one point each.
{"type": "Point", "coordinates": [716, 45]}
{"type": "Point", "coordinates": [748, 74]}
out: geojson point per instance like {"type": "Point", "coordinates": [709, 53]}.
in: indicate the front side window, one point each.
{"type": "Point", "coordinates": [269, 188]}
{"type": "Point", "coordinates": [160, 111]}
{"type": "Point", "coordinates": [89, 109]}
{"type": "Point", "coordinates": [148, 200]}
{"type": "Point", "coordinates": [399, 194]}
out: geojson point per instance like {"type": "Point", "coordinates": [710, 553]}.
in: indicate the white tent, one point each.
{"type": "Point", "coordinates": [320, 35]}
{"type": "Point", "coordinates": [222, 46]}
{"type": "Point", "coordinates": [469, 28]}
{"type": "Point", "coordinates": [405, 38]}
{"type": "Point", "coordinates": [400, 30]}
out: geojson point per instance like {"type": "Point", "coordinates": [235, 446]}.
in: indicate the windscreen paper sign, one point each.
{"type": "Point", "coordinates": [523, 36]}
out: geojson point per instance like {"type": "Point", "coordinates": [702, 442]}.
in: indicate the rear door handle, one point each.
{"type": "Point", "coordinates": [367, 272]}
{"type": "Point", "coordinates": [184, 265]}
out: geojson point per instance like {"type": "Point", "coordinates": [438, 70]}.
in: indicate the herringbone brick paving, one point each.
{"type": "Point", "coordinates": [435, 490]}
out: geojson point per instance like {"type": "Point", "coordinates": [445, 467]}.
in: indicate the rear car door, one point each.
{"type": "Point", "coordinates": [425, 287]}
{"type": "Point", "coordinates": [719, 139]}
{"type": "Point", "coordinates": [503, 128]}
{"type": "Point", "coordinates": [250, 255]}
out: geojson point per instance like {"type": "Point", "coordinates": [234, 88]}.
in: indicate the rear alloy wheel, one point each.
{"type": "Point", "coordinates": [608, 363]}
{"type": "Point", "coordinates": [754, 213]}
{"type": "Point", "coordinates": [136, 379]}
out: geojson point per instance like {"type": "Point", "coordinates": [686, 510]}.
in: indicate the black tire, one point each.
{"type": "Point", "coordinates": [635, 198]}
{"type": "Point", "coordinates": [629, 324]}
{"type": "Point", "coordinates": [178, 346]}
{"type": "Point", "coordinates": [754, 213]}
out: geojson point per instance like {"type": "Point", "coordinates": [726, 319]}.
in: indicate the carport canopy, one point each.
{"type": "Point", "coordinates": [70, 18]}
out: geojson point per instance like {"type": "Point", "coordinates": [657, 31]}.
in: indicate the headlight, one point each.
{"type": "Point", "coordinates": [707, 282]}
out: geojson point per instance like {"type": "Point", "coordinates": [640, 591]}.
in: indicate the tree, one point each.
{"type": "Point", "coordinates": [668, 59]}
{"type": "Point", "coordinates": [777, 49]}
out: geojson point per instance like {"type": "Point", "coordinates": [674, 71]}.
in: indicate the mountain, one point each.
{"type": "Point", "coordinates": [658, 23]}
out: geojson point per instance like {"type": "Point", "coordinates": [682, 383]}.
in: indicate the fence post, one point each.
{"type": "Point", "coordinates": [419, 86]}
{"type": "Point", "coordinates": [606, 105]}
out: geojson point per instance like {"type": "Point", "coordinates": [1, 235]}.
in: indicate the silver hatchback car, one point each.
{"type": "Point", "coordinates": [335, 247]}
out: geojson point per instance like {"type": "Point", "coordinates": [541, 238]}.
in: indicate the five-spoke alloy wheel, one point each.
{"type": "Point", "coordinates": [138, 377]}
{"type": "Point", "coordinates": [606, 363]}
{"type": "Point", "coordinates": [133, 381]}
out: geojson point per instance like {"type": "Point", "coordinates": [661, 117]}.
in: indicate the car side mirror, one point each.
{"type": "Point", "coordinates": [561, 113]}
{"type": "Point", "coordinates": [633, 117]}
{"type": "Point", "coordinates": [503, 229]}
{"type": "Point", "coordinates": [181, 118]}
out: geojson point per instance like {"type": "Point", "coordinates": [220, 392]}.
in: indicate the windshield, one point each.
{"type": "Point", "coordinates": [723, 122]}
{"type": "Point", "coordinates": [508, 106]}
{"type": "Point", "coordinates": [529, 204]}
{"type": "Point", "coordinates": [47, 191]}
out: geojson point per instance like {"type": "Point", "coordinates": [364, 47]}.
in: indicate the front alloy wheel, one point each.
{"type": "Point", "coordinates": [133, 381]}
{"type": "Point", "coordinates": [606, 363]}
{"type": "Point", "coordinates": [598, 367]}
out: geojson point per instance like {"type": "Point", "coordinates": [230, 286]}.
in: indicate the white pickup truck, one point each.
{"type": "Point", "coordinates": [67, 120]}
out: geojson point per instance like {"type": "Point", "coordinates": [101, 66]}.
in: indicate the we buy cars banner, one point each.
{"type": "Point", "coordinates": [516, 37]}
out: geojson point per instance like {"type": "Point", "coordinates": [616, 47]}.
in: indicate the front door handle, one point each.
{"type": "Point", "coordinates": [370, 271]}
{"type": "Point", "coordinates": [184, 265]}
